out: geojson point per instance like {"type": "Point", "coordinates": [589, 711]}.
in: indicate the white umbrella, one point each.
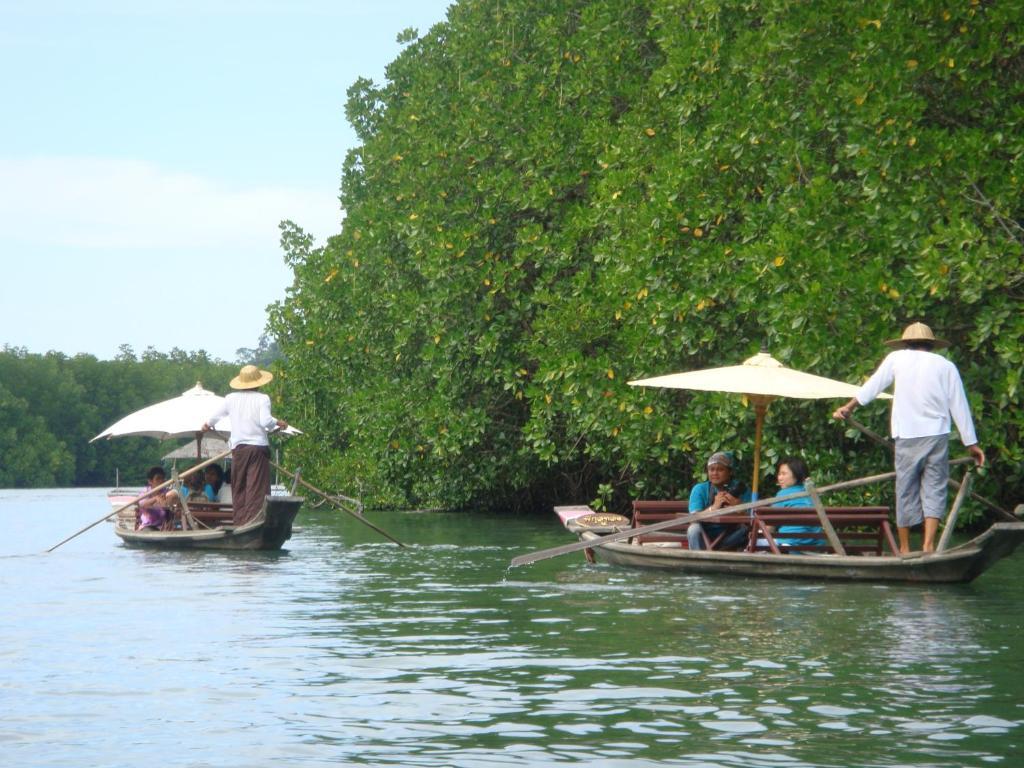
{"type": "Point", "coordinates": [180, 416]}
{"type": "Point", "coordinates": [761, 379]}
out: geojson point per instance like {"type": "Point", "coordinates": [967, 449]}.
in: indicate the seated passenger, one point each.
{"type": "Point", "coordinates": [718, 491]}
{"type": "Point", "coordinates": [192, 487]}
{"type": "Point", "coordinates": [214, 482]}
{"type": "Point", "coordinates": [792, 472]}
{"type": "Point", "coordinates": [224, 497]}
{"type": "Point", "coordinates": [155, 509]}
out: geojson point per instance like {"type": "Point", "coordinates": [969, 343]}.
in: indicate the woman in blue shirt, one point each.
{"type": "Point", "coordinates": [791, 474]}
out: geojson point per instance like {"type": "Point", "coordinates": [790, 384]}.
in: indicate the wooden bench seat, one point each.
{"type": "Point", "coordinates": [862, 530]}
{"type": "Point", "coordinates": [650, 512]}
{"type": "Point", "coordinates": [211, 515]}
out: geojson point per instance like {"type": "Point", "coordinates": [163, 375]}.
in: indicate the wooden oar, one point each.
{"type": "Point", "coordinates": [947, 532]}
{"type": "Point", "coordinates": [137, 499]}
{"type": "Point", "coordinates": [826, 524]}
{"type": "Point", "coordinates": [871, 434]}
{"type": "Point", "coordinates": [696, 517]}
{"type": "Point", "coordinates": [340, 502]}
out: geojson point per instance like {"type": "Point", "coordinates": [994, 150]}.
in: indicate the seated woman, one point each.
{"type": "Point", "coordinates": [224, 495]}
{"type": "Point", "coordinates": [791, 474]}
{"type": "Point", "coordinates": [718, 491]}
{"type": "Point", "coordinates": [214, 482]}
{"type": "Point", "coordinates": [192, 488]}
{"type": "Point", "coordinates": [154, 512]}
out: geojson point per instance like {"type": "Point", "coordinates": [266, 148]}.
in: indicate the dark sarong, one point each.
{"type": "Point", "coordinates": [250, 481]}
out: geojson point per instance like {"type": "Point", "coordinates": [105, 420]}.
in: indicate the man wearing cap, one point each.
{"type": "Point", "coordinates": [928, 393]}
{"type": "Point", "coordinates": [716, 492]}
{"type": "Point", "coordinates": [251, 422]}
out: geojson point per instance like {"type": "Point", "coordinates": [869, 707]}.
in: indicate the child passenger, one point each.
{"type": "Point", "coordinates": [214, 482]}
{"type": "Point", "coordinates": [155, 509]}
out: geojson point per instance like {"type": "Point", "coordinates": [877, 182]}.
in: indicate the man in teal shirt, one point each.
{"type": "Point", "coordinates": [718, 491]}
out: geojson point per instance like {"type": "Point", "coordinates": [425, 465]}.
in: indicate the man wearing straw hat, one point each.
{"type": "Point", "coordinates": [251, 422]}
{"type": "Point", "coordinates": [928, 392]}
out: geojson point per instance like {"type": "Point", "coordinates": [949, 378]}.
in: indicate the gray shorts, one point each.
{"type": "Point", "coordinates": [922, 475]}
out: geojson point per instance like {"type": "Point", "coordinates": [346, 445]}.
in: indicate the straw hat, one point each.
{"type": "Point", "coordinates": [251, 377]}
{"type": "Point", "coordinates": [917, 332]}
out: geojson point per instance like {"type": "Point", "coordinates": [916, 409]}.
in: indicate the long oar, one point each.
{"type": "Point", "coordinates": [872, 435]}
{"type": "Point", "coordinates": [340, 502]}
{"type": "Point", "coordinates": [137, 499]}
{"type": "Point", "coordinates": [696, 517]}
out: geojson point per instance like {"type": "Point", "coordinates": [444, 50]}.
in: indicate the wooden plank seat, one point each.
{"type": "Point", "coordinates": [647, 512]}
{"type": "Point", "coordinates": [862, 530]}
{"type": "Point", "coordinates": [211, 515]}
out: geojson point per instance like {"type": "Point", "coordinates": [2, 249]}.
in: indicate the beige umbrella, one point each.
{"type": "Point", "coordinates": [761, 379]}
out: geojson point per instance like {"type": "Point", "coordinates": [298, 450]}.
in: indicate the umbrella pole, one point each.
{"type": "Point", "coordinates": [760, 409]}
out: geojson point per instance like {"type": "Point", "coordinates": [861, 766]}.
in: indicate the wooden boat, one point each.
{"type": "Point", "coordinates": [209, 526]}
{"type": "Point", "coordinates": [961, 563]}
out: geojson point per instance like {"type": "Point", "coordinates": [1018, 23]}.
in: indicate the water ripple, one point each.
{"type": "Point", "coordinates": [344, 650]}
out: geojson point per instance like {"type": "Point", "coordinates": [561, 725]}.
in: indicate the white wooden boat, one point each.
{"type": "Point", "coordinates": [209, 526]}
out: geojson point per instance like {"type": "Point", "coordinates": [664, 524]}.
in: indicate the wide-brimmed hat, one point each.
{"type": "Point", "coordinates": [251, 377]}
{"type": "Point", "coordinates": [917, 332]}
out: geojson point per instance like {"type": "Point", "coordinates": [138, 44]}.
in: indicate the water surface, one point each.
{"type": "Point", "coordinates": [346, 650]}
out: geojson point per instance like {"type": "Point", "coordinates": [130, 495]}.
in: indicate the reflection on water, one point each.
{"type": "Point", "coordinates": [343, 650]}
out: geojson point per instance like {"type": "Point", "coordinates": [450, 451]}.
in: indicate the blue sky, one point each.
{"type": "Point", "coordinates": [148, 151]}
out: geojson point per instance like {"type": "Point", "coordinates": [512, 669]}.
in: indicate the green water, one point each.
{"type": "Point", "coordinates": [344, 650]}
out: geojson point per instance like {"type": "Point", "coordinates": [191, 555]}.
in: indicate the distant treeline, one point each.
{"type": "Point", "coordinates": [51, 405]}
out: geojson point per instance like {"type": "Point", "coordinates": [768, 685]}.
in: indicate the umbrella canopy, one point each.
{"type": "Point", "coordinates": [180, 416]}
{"type": "Point", "coordinates": [762, 375]}
{"type": "Point", "coordinates": [761, 378]}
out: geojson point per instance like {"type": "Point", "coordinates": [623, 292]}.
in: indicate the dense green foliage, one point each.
{"type": "Point", "coordinates": [553, 197]}
{"type": "Point", "coordinates": [52, 405]}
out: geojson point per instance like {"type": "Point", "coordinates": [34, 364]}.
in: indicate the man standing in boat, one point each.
{"type": "Point", "coordinates": [928, 392]}
{"type": "Point", "coordinates": [251, 422]}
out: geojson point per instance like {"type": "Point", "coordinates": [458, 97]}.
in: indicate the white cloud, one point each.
{"type": "Point", "coordinates": [113, 203]}
{"type": "Point", "coordinates": [132, 252]}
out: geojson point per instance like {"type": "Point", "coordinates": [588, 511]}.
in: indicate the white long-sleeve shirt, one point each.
{"type": "Point", "coordinates": [928, 391]}
{"type": "Point", "coordinates": [250, 417]}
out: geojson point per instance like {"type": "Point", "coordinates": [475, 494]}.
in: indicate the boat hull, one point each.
{"type": "Point", "coordinates": [269, 530]}
{"type": "Point", "coordinates": [956, 565]}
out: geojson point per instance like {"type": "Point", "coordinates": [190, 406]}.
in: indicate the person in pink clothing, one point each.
{"type": "Point", "coordinates": [155, 509]}
{"type": "Point", "coordinates": [251, 423]}
{"type": "Point", "coordinates": [928, 395]}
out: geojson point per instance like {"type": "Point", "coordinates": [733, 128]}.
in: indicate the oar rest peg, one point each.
{"type": "Point", "coordinates": [295, 481]}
